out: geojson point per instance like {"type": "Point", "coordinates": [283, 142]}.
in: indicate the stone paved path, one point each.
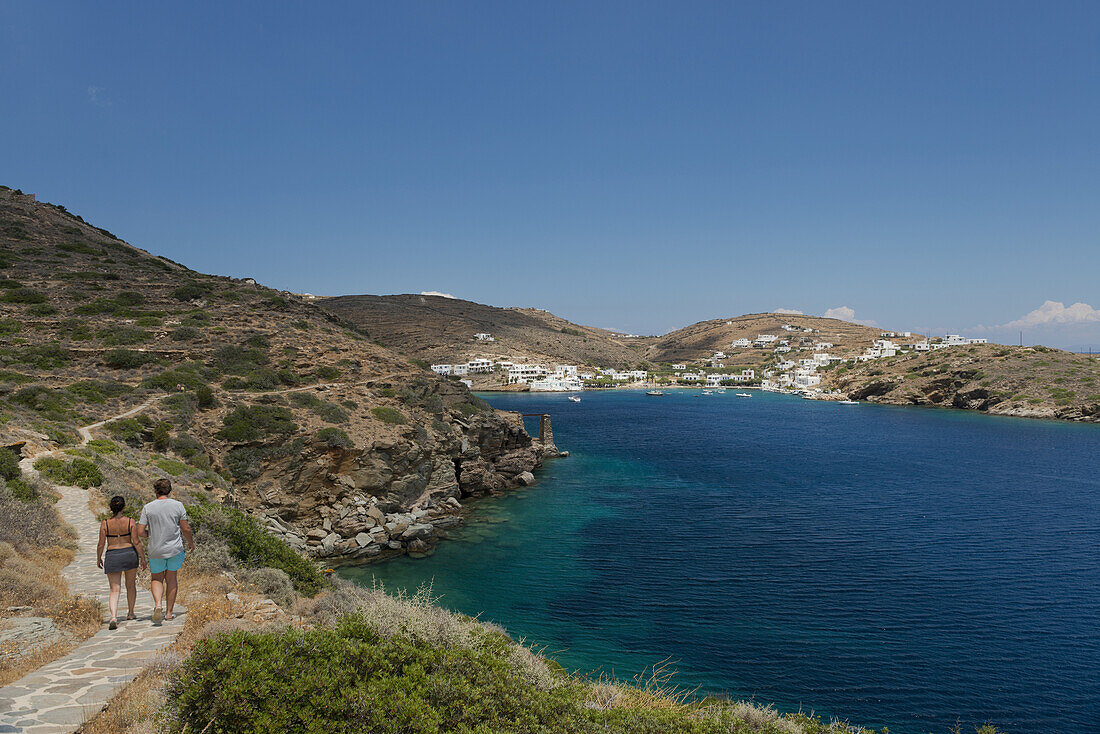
{"type": "Point", "coordinates": [60, 696]}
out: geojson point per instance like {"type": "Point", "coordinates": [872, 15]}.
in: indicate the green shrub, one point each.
{"type": "Point", "coordinates": [185, 333]}
{"type": "Point", "coordinates": [388, 415]}
{"type": "Point", "coordinates": [152, 321]}
{"type": "Point", "coordinates": [44, 356]}
{"type": "Point", "coordinates": [327, 372]}
{"type": "Point", "coordinates": [238, 360]}
{"type": "Point", "coordinates": [23, 491]}
{"type": "Point", "coordinates": [54, 404]}
{"type": "Point", "coordinates": [191, 291]}
{"type": "Point", "coordinates": [116, 336]}
{"type": "Point", "coordinates": [189, 375]}
{"type": "Point", "coordinates": [9, 465]}
{"type": "Point", "coordinates": [334, 438]}
{"type": "Point", "coordinates": [78, 472]}
{"type": "Point", "coordinates": [23, 295]}
{"type": "Point", "coordinates": [205, 395]}
{"type": "Point", "coordinates": [104, 446]}
{"type": "Point", "coordinates": [252, 423]}
{"type": "Point", "coordinates": [253, 546]}
{"type": "Point", "coordinates": [162, 437]}
{"type": "Point", "coordinates": [351, 679]}
{"type": "Point", "coordinates": [127, 430]}
{"type": "Point", "coordinates": [92, 391]}
{"type": "Point", "coordinates": [9, 327]}
{"type": "Point", "coordinates": [79, 247]}
{"type": "Point", "coordinates": [173, 467]}
{"type": "Point", "coordinates": [127, 359]}
{"type": "Point", "coordinates": [14, 377]}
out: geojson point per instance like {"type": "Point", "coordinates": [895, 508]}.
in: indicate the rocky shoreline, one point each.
{"type": "Point", "coordinates": [362, 527]}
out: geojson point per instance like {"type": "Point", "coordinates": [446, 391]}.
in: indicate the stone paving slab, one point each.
{"type": "Point", "coordinates": [62, 695]}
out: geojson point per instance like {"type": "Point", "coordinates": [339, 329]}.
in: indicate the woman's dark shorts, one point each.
{"type": "Point", "coordinates": [118, 560]}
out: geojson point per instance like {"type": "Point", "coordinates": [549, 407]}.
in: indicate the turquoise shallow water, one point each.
{"type": "Point", "coordinates": [892, 566]}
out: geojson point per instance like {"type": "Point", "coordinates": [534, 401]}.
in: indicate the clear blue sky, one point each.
{"type": "Point", "coordinates": [632, 165]}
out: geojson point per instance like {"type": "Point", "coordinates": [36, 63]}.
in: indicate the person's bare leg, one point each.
{"type": "Point", "coordinates": [131, 592]}
{"type": "Point", "coordinates": [172, 583]}
{"type": "Point", "coordinates": [115, 579]}
{"type": "Point", "coordinates": [157, 588]}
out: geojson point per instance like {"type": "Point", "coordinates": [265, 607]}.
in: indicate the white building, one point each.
{"type": "Point", "coordinates": [781, 350]}
{"type": "Point", "coordinates": [482, 337]}
{"type": "Point", "coordinates": [565, 370]}
{"type": "Point", "coordinates": [719, 355]}
{"type": "Point", "coordinates": [521, 373]}
{"type": "Point", "coordinates": [742, 343]}
{"type": "Point", "coordinates": [460, 369]}
{"type": "Point", "coordinates": [679, 366]}
{"type": "Point", "coordinates": [763, 340]}
{"type": "Point", "coordinates": [479, 366]}
{"type": "Point", "coordinates": [442, 369]}
{"type": "Point", "coordinates": [691, 377]}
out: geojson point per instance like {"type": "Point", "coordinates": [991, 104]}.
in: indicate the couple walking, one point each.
{"type": "Point", "coordinates": [164, 522]}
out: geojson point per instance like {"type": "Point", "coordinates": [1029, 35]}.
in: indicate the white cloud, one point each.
{"type": "Point", "coordinates": [846, 313]}
{"type": "Point", "coordinates": [789, 311]}
{"type": "Point", "coordinates": [95, 96]}
{"type": "Point", "coordinates": [436, 293]}
{"type": "Point", "coordinates": [1056, 312]}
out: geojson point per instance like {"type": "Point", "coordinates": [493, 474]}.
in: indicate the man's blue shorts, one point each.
{"type": "Point", "coordinates": [175, 563]}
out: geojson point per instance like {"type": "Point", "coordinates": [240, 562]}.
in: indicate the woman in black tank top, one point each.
{"type": "Point", "coordinates": [124, 554]}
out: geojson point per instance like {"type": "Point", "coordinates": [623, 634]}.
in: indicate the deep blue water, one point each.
{"type": "Point", "coordinates": [892, 566]}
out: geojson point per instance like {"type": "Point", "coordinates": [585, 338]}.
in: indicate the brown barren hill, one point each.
{"type": "Point", "coordinates": [441, 329]}
{"type": "Point", "coordinates": [702, 339]}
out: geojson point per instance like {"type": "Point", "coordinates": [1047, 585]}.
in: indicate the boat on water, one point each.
{"type": "Point", "coordinates": [574, 399]}
{"type": "Point", "coordinates": [744, 395]}
{"type": "Point", "coordinates": [848, 402]}
{"type": "Point", "coordinates": [654, 392]}
{"type": "Point", "coordinates": [707, 392]}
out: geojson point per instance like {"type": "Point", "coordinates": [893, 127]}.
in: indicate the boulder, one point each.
{"type": "Point", "coordinates": [417, 532]}
{"type": "Point", "coordinates": [364, 539]}
{"type": "Point", "coordinates": [526, 478]}
{"type": "Point", "coordinates": [448, 521]}
{"type": "Point", "coordinates": [419, 546]}
{"type": "Point", "coordinates": [329, 542]}
{"type": "Point", "coordinates": [317, 533]}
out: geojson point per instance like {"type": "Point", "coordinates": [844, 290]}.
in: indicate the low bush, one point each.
{"type": "Point", "coordinates": [186, 333]}
{"type": "Point", "coordinates": [253, 546]}
{"type": "Point", "coordinates": [117, 336]}
{"type": "Point", "coordinates": [334, 438]}
{"type": "Point", "coordinates": [9, 464]}
{"type": "Point", "coordinates": [23, 295]}
{"type": "Point", "coordinates": [78, 472]}
{"type": "Point", "coordinates": [254, 422]}
{"type": "Point", "coordinates": [190, 375]}
{"type": "Point", "coordinates": [104, 446]}
{"type": "Point", "coordinates": [92, 391]}
{"type": "Point", "coordinates": [388, 415]}
{"type": "Point", "coordinates": [238, 360]}
{"type": "Point", "coordinates": [48, 356]}
{"type": "Point", "coordinates": [9, 327]}
{"type": "Point", "coordinates": [350, 679]}
{"type": "Point", "coordinates": [191, 291]}
{"type": "Point", "coordinates": [275, 584]}
{"type": "Point", "coordinates": [127, 359]}
{"type": "Point", "coordinates": [128, 430]}
{"type": "Point", "coordinates": [173, 467]}
{"type": "Point", "coordinates": [23, 491]}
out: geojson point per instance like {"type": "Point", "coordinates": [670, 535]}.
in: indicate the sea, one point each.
{"type": "Point", "coordinates": [888, 566]}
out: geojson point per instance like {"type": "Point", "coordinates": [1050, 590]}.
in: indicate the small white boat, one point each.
{"type": "Point", "coordinates": [654, 393]}
{"type": "Point", "coordinates": [707, 392]}
{"type": "Point", "coordinates": [744, 395]}
{"type": "Point", "coordinates": [574, 399]}
{"type": "Point", "coordinates": [848, 402]}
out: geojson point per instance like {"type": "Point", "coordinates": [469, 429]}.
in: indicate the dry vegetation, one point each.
{"type": "Point", "coordinates": [34, 546]}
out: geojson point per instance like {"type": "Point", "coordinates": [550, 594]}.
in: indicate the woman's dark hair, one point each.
{"type": "Point", "coordinates": [117, 503]}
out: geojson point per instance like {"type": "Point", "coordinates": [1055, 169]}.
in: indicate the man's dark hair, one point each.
{"type": "Point", "coordinates": [162, 487]}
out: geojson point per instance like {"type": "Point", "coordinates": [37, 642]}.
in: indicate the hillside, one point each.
{"type": "Point", "coordinates": [440, 329]}
{"type": "Point", "coordinates": [269, 402]}
{"type": "Point", "coordinates": [1032, 382]}
{"type": "Point", "coordinates": [702, 339]}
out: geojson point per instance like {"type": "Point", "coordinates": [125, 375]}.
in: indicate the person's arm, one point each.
{"type": "Point", "coordinates": [142, 527]}
{"type": "Point", "coordinates": [138, 545]}
{"type": "Point", "coordinates": [186, 530]}
{"type": "Point", "coordinates": [102, 544]}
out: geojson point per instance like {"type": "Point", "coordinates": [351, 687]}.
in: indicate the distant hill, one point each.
{"type": "Point", "coordinates": [440, 329]}
{"type": "Point", "coordinates": [702, 339]}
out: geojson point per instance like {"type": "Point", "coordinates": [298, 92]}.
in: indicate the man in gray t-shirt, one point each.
{"type": "Point", "coordinates": [164, 522]}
